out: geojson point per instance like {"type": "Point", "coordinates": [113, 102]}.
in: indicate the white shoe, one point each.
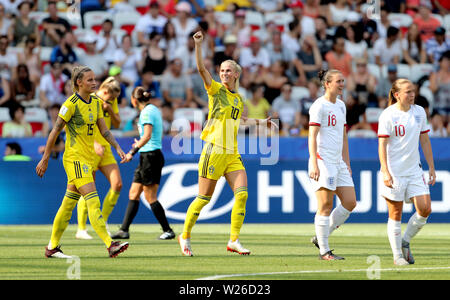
{"type": "Point", "coordinates": [185, 245]}
{"type": "Point", "coordinates": [401, 262]}
{"type": "Point", "coordinates": [56, 253]}
{"type": "Point", "coordinates": [83, 235]}
{"type": "Point", "coordinates": [237, 247]}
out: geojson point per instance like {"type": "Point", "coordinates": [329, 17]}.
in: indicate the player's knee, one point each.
{"type": "Point", "coordinates": [117, 186]}
{"type": "Point", "coordinates": [241, 194]}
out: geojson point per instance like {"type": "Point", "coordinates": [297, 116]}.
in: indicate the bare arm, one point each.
{"type": "Point", "coordinates": [110, 138]}
{"type": "Point", "coordinates": [207, 79]}
{"type": "Point", "coordinates": [312, 147]}
{"type": "Point", "coordinates": [148, 129]}
{"type": "Point", "coordinates": [425, 143]}
{"type": "Point", "coordinates": [382, 152]}
{"type": "Point", "coordinates": [43, 163]}
{"type": "Point", "coordinates": [345, 151]}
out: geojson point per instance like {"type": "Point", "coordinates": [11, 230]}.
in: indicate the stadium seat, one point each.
{"type": "Point", "coordinates": [212, 3]}
{"type": "Point", "coordinates": [372, 115]}
{"type": "Point", "coordinates": [375, 70]}
{"type": "Point", "coordinates": [140, 5]}
{"type": "Point", "coordinates": [46, 52]}
{"type": "Point", "coordinates": [126, 114]}
{"type": "Point", "coordinates": [420, 70]}
{"type": "Point", "coordinates": [401, 20]}
{"type": "Point", "coordinates": [94, 20]}
{"type": "Point", "coordinates": [81, 34]}
{"type": "Point", "coordinates": [439, 17]}
{"type": "Point", "coordinates": [254, 19]}
{"type": "Point", "coordinates": [362, 133]}
{"type": "Point", "coordinates": [36, 117]}
{"type": "Point", "coordinates": [74, 19]}
{"type": "Point", "coordinates": [447, 22]}
{"type": "Point", "coordinates": [126, 21]}
{"type": "Point", "coordinates": [403, 71]}
{"type": "Point", "coordinates": [4, 117]}
{"type": "Point", "coordinates": [428, 94]}
{"type": "Point", "coordinates": [193, 116]}
{"type": "Point", "coordinates": [224, 17]}
{"type": "Point", "coordinates": [299, 92]}
{"type": "Point", "coordinates": [281, 19]}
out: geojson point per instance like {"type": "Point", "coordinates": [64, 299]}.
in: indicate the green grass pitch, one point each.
{"type": "Point", "coordinates": [279, 252]}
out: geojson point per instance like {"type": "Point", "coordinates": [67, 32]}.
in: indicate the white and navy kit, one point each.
{"type": "Point", "coordinates": [331, 117]}
{"type": "Point", "coordinates": [403, 129]}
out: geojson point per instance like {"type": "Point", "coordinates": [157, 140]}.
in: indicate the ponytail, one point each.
{"type": "Point", "coordinates": [140, 94]}
{"type": "Point", "coordinates": [78, 74]}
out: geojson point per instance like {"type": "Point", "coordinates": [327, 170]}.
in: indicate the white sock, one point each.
{"type": "Point", "coordinates": [338, 217]}
{"type": "Point", "coordinates": [415, 223]}
{"type": "Point", "coordinates": [49, 247]}
{"type": "Point", "coordinates": [322, 225]}
{"type": "Point", "coordinates": [394, 230]}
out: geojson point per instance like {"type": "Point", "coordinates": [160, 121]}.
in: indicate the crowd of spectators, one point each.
{"type": "Point", "coordinates": [280, 44]}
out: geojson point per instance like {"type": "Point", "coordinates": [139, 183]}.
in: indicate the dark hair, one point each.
{"type": "Point", "coordinates": [446, 55]}
{"type": "Point", "coordinates": [14, 108]}
{"type": "Point", "coordinates": [15, 146]}
{"type": "Point", "coordinates": [325, 75]}
{"type": "Point", "coordinates": [392, 31]}
{"type": "Point", "coordinates": [140, 94]}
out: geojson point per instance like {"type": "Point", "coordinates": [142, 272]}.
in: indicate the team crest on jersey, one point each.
{"type": "Point", "coordinates": [418, 118]}
{"type": "Point", "coordinates": [85, 168]}
{"type": "Point", "coordinates": [91, 117]}
{"type": "Point", "coordinates": [236, 101]}
{"type": "Point", "coordinates": [211, 170]}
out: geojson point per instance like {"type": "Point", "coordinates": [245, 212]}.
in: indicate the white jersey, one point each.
{"type": "Point", "coordinates": [331, 117]}
{"type": "Point", "coordinates": [403, 130]}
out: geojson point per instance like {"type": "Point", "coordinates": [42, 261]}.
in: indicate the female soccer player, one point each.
{"type": "Point", "coordinates": [402, 125]}
{"type": "Point", "coordinates": [220, 156]}
{"type": "Point", "coordinates": [329, 162]}
{"type": "Point", "coordinates": [151, 161]}
{"type": "Point", "coordinates": [104, 159]}
{"type": "Point", "coordinates": [80, 113]}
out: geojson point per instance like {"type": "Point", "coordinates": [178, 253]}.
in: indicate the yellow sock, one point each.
{"type": "Point", "coordinates": [96, 218]}
{"type": "Point", "coordinates": [62, 217]}
{"type": "Point", "coordinates": [109, 202]}
{"type": "Point", "coordinates": [82, 214]}
{"type": "Point", "coordinates": [192, 214]}
{"type": "Point", "coordinates": [238, 212]}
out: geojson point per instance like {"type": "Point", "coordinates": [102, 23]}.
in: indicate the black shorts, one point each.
{"type": "Point", "coordinates": [149, 169]}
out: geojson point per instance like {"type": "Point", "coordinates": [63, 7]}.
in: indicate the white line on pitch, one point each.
{"type": "Point", "coordinates": [323, 271]}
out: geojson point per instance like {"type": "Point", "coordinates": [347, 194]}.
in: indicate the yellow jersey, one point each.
{"type": "Point", "coordinates": [107, 117]}
{"type": "Point", "coordinates": [225, 110]}
{"type": "Point", "coordinates": [81, 119]}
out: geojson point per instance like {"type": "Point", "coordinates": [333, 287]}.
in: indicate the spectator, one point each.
{"type": "Point", "coordinates": [312, 9]}
{"type": "Point", "coordinates": [151, 21]}
{"type": "Point", "coordinates": [8, 60]}
{"type": "Point", "coordinates": [383, 22]}
{"type": "Point", "coordinates": [94, 60]}
{"type": "Point", "coordinates": [17, 127]}
{"type": "Point", "coordinates": [150, 85]}
{"type": "Point", "coordinates": [356, 113]}
{"type": "Point", "coordinates": [413, 48]}
{"type": "Point", "coordinates": [107, 42]}
{"type": "Point", "coordinates": [338, 12]}
{"type": "Point", "coordinates": [291, 39]}
{"type": "Point", "coordinates": [323, 39]}
{"type": "Point", "coordinates": [122, 6]}
{"type": "Point", "coordinates": [363, 84]}
{"type": "Point", "coordinates": [153, 56]}
{"type": "Point", "coordinates": [51, 88]}
{"type": "Point", "coordinates": [437, 126]}
{"type": "Point", "coordinates": [184, 24]}
{"type": "Point", "coordinates": [48, 126]}
{"type": "Point", "coordinates": [388, 50]}
{"type": "Point", "coordinates": [257, 106]}
{"type": "Point", "coordinates": [91, 5]}
{"type": "Point", "coordinates": [306, 102]}
{"type": "Point", "coordinates": [276, 50]}
{"type": "Point", "coordinates": [370, 28]}
{"type": "Point", "coordinates": [338, 58]}
{"type": "Point", "coordinates": [127, 58]}
{"type": "Point", "coordinates": [436, 45]}
{"type": "Point", "coordinates": [443, 6]}
{"type": "Point", "coordinates": [169, 41]}
{"type": "Point", "coordinates": [287, 109]}
{"type": "Point", "coordinates": [53, 27]}
{"type": "Point", "coordinates": [23, 26]}
{"type": "Point", "coordinates": [167, 116]}
{"type": "Point", "coordinates": [265, 6]}
{"type": "Point", "coordinates": [396, 6]}
{"type": "Point", "coordinates": [231, 51]}
{"type": "Point", "coordinates": [176, 87]}
{"type": "Point", "coordinates": [384, 85]}
{"type": "Point", "coordinates": [215, 29]}
{"type": "Point", "coordinates": [116, 72]}
{"type": "Point", "coordinates": [198, 87]}
{"type": "Point", "coordinates": [254, 61]}
{"type": "Point", "coordinates": [426, 23]}
{"type": "Point", "coordinates": [354, 43]}
{"type": "Point", "coordinates": [187, 55]}
{"type": "Point", "coordinates": [64, 53]}
{"type": "Point", "coordinates": [440, 86]}
{"type": "Point", "coordinates": [13, 152]}
{"type": "Point", "coordinates": [23, 89]}
{"type": "Point", "coordinates": [32, 59]}
{"type": "Point", "coordinates": [310, 58]}
{"type": "Point", "coordinates": [11, 7]}
{"type": "Point", "coordinates": [5, 22]}
{"type": "Point", "coordinates": [274, 80]}
{"type": "Point", "coordinates": [240, 29]}
{"type": "Point", "coordinates": [307, 23]}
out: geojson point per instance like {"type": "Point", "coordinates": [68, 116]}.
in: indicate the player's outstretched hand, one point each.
{"type": "Point", "coordinates": [41, 167]}
{"type": "Point", "coordinates": [198, 37]}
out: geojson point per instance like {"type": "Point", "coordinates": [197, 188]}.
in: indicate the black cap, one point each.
{"type": "Point", "coordinates": [440, 30]}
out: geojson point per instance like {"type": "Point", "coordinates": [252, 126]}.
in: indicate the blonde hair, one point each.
{"type": "Point", "coordinates": [326, 75]}
{"type": "Point", "coordinates": [78, 74]}
{"type": "Point", "coordinates": [111, 85]}
{"type": "Point", "coordinates": [238, 69]}
{"type": "Point", "coordinates": [396, 86]}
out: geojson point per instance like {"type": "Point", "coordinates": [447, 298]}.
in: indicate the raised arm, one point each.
{"type": "Point", "coordinates": [43, 163]}
{"type": "Point", "coordinates": [198, 39]}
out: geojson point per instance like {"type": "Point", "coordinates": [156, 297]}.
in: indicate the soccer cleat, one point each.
{"type": "Point", "coordinates": [315, 241]}
{"type": "Point", "coordinates": [401, 262]}
{"type": "Point", "coordinates": [116, 248]}
{"type": "Point", "coordinates": [167, 235]}
{"type": "Point", "coordinates": [55, 253]}
{"type": "Point", "coordinates": [123, 235]}
{"type": "Point", "coordinates": [407, 252]}
{"type": "Point", "coordinates": [237, 247]}
{"type": "Point", "coordinates": [330, 256]}
{"type": "Point", "coordinates": [83, 235]}
{"type": "Point", "coordinates": [185, 245]}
